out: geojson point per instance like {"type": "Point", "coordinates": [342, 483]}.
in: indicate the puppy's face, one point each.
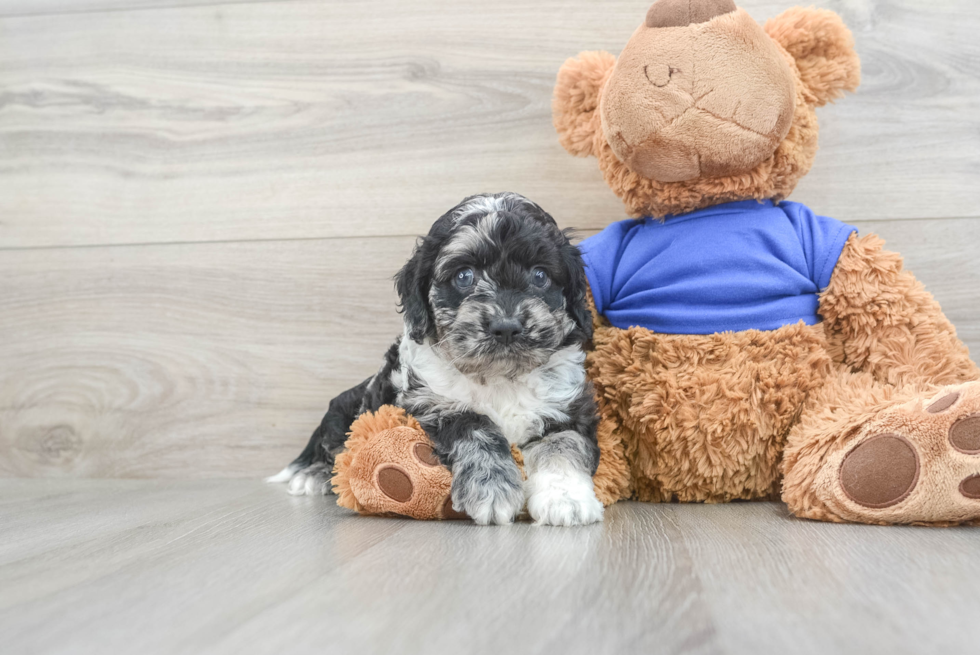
{"type": "Point", "coordinates": [496, 287]}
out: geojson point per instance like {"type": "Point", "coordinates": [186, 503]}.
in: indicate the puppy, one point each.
{"type": "Point", "coordinates": [491, 355]}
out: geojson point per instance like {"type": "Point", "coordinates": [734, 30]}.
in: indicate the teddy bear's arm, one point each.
{"type": "Point", "coordinates": [576, 100]}
{"type": "Point", "coordinates": [881, 320]}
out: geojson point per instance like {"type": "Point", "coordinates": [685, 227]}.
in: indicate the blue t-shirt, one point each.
{"type": "Point", "coordinates": [737, 266]}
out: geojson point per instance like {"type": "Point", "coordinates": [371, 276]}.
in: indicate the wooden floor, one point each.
{"type": "Point", "coordinates": [240, 567]}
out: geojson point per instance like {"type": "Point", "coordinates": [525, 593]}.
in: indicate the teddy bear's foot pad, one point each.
{"type": "Point", "coordinates": [965, 435]}
{"type": "Point", "coordinates": [915, 463]}
{"type": "Point", "coordinates": [395, 483]}
{"type": "Point", "coordinates": [880, 472]}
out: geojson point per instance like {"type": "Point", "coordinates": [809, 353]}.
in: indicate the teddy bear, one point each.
{"type": "Point", "coordinates": [744, 346]}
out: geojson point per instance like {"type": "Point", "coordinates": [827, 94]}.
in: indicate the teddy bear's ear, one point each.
{"type": "Point", "coordinates": [576, 100]}
{"type": "Point", "coordinates": [823, 48]}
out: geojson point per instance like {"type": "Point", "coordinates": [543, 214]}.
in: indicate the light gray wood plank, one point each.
{"type": "Point", "coordinates": [215, 554]}
{"type": "Point", "coordinates": [316, 119]}
{"type": "Point", "coordinates": [201, 360]}
{"type": "Point", "coordinates": [23, 8]}
{"type": "Point", "coordinates": [218, 360]}
{"type": "Point", "coordinates": [237, 566]}
{"type": "Point", "coordinates": [772, 579]}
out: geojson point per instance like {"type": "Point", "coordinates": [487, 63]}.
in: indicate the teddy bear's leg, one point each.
{"type": "Point", "coordinates": [389, 467]}
{"type": "Point", "coordinates": [890, 437]}
{"type": "Point", "coordinates": [873, 453]}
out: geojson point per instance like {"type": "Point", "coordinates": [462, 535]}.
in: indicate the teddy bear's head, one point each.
{"type": "Point", "coordinates": [704, 105]}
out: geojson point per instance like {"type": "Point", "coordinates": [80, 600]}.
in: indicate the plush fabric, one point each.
{"type": "Point", "coordinates": [866, 410]}
{"type": "Point", "coordinates": [675, 107]}
{"type": "Point", "coordinates": [826, 50]}
{"type": "Point", "coordinates": [890, 345]}
{"type": "Point", "coordinates": [705, 417]}
{"type": "Point", "coordinates": [681, 13]}
{"type": "Point", "coordinates": [735, 266]}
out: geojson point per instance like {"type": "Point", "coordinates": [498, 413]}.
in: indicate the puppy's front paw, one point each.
{"type": "Point", "coordinates": [490, 494]}
{"type": "Point", "coordinates": [562, 498]}
{"type": "Point", "coordinates": [314, 480]}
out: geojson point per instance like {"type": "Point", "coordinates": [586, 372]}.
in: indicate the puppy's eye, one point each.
{"type": "Point", "coordinates": [540, 279]}
{"type": "Point", "coordinates": [464, 278]}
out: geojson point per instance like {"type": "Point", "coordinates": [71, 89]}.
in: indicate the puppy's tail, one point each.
{"type": "Point", "coordinates": [326, 440]}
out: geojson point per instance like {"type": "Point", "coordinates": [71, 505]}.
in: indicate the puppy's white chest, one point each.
{"type": "Point", "coordinates": [519, 411]}
{"type": "Point", "coordinates": [519, 407]}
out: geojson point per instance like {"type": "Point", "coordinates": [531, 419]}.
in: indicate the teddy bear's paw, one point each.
{"type": "Point", "coordinates": [488, 493]}
{"type": "Point", "coordinates": [562, 498]}
{"type": "Point", "coordinates": [397, 473]}
{"type": "Point", "coordinates": [916, 463]}
{"type": "Point", "coordinates": [314, 480]}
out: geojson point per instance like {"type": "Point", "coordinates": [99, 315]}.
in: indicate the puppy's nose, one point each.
{"type": "Point", "coordinates": [505, 330]}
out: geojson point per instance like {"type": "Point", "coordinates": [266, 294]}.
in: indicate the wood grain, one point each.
{"type": "Point", "coordinates": [218, 359]}
{"type": "Point", "coordinates": [237, 566]}
{"type": "Point", "coordinates": [194, 359]}
{"type": "Point", "coordinates": [304, 119]}
{"type": "Point", "coordinates": [23, 8]}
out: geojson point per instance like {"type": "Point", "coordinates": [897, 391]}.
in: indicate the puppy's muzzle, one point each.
{"type": "Point", "coordinates": [505, 330]}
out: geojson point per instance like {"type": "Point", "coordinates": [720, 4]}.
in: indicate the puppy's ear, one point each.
{"type": "Point", "coordinates": [823, 48]}
{"type": "Point", "coordinates": [412, 284]}
{"type": "Point", "coordinates": [576, 100]}
{"type": "Point", "coordinates": [575, 288]}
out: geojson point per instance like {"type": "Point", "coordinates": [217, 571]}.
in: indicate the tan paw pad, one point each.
{"type": "Point", "coordinates": [942, 404]}
{"type": "Point", "coordinates": [970, 488]}
{"type": "Point", "coordinates": [395, 483]}
{"type": "Point", "coordinates": [425, 454]}
{"type": "Point", "coordinates": [965, 435]}
{"type": "Point", "coordinates": [880, 472]}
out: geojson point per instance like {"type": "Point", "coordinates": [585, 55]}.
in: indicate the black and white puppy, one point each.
{"type": "Point", "coordinates": [495, 320]}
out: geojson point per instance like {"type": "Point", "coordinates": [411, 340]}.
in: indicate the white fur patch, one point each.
{"type": "Point", "coordinates": [485, 204]}
{"type": "Point", "coordinates": [499, 509]}
{"type": "Point", "coordinates": [314, 480]}
{"type": "Point", "coordinates": [518, 406]}
{"type": "Point", "coordinates": [468, 239]}
{"type": "Point", "coordinates": [284, 475]}
{"type": "Point", "coordinates": [563, 496]}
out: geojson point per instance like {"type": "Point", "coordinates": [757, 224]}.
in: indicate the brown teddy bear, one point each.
{"type": "Point", "coordinates": [744, 347]}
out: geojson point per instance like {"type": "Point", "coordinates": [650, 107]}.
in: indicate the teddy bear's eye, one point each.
{"type": "Point", "coordinates": [659, 75]}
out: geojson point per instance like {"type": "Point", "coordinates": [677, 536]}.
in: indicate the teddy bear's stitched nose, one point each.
{"type": "Point", "coordinates": [681, 13]}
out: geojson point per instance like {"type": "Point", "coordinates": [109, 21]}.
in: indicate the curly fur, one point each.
{"type": "Point", "coordinates": [704, 417]}
{"type": "Point", "coordinates": [883, 321]}
{"type": "Point", "coordinates": [823, 49]}
{"type": "Point", "coordinates": [577, 99]}
{"type": "Point", "coordinates": [890, 344]}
